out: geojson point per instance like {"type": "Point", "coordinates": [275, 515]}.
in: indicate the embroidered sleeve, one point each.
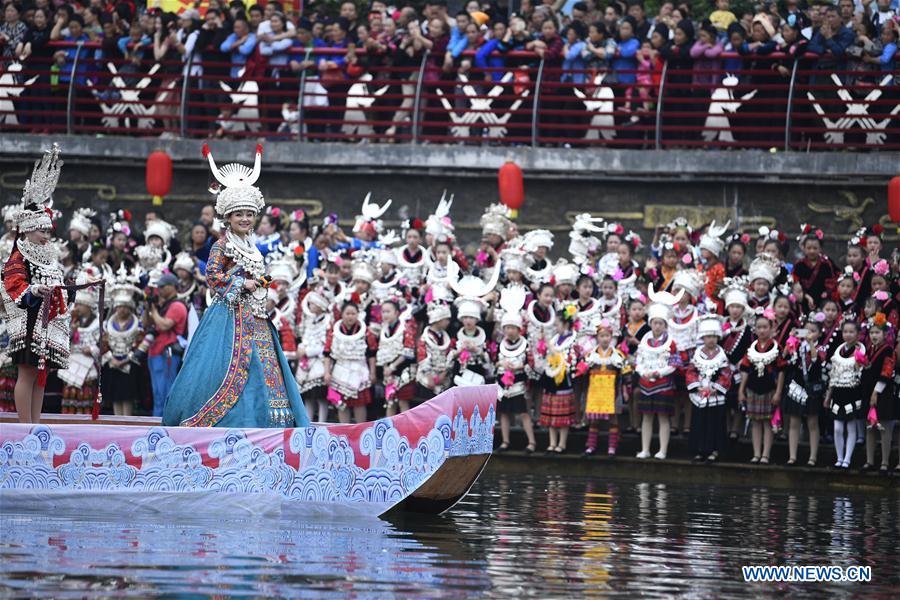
{"type": "Point", "coordinates": [371, 344]}
{"type": "Point", "coordinates": [409, 339]}
{"type": "Point", "coordinates": [724, 380]}
{"type": "Point", "coordinates": [674, 363]}
{"type": "Point", "coordinates": [780, 363]}
{"type": "Point", "coordinates": [286, 335]}
{"type": "Point", "coordinates": [421, 352]}
{"type": "Point", "coordinates": [692, 377]}
{"type": "Point", "coordinates": [745, 364]}
{"type": "Point", "coordinates": [15, 279]}
{"type": "Point", "coordinates": [221, 275]}
{"type": "Point", "coordinates": [887, 369]}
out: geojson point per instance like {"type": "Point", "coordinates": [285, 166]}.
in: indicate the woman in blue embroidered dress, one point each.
{"type": "Point", "coordinates": [244, 385]}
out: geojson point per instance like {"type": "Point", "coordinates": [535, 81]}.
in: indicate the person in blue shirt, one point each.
{"type": "Point", "coordinates": [830, 42]}
{"type": "Point", "coordinates": [887, 59]}
{"type": "Point", "coordinates": [488, 56]}
{"type": "Point", "coordinates": [574, 63]}
{"type": "Point", "coordinates": [76, 34]}
{"type": "Point", "coordinates": [240, 45]}
{"type": "Point", "coordinates": [625, 64]}
{"type": "Point", "coordinates": [458, 39]}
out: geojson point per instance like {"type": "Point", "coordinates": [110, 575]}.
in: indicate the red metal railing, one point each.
{"type": "Point", "coordinates": [770, 103]}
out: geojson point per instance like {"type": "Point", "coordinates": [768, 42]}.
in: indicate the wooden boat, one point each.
{"type": "Point", "coordinates": [423, 460]}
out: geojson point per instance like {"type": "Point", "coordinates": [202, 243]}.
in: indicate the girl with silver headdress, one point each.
{"type": "Point", "coordinates": [121, 375]}
{"type": "Point", "coordinates": [81, 378]}
{"type": "Point", "coordinates": [248, 385]}
{"type": "Point", "coordinates": [32, 278]}
{"type": "Point", "coordinates": [315, 321]}
{"type": "Point", "coordinates": [656, 361]}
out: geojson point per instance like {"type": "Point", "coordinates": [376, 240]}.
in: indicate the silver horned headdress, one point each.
{"type": "Point", "coordinates": [238, 190]}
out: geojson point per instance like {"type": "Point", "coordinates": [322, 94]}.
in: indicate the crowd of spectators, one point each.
{"type": "Point", "coordinates": [576, 40]}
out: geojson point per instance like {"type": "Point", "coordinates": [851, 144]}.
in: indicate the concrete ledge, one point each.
{"type": "Point", "coordinates": [684, 472]}
{"type": "Point", "coordinates": [436, 159]}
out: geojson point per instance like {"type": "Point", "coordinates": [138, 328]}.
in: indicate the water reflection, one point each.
{"type": "Point", "coordinates": [542, 536]}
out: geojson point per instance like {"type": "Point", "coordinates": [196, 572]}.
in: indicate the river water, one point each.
{"type": "Point", "coordinates": [512, 536]}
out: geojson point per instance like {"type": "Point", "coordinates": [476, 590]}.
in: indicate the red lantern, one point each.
{"type": "Point", "coordinates": [894, 199]}
{"type": "Point", "coordinates": [159, 176]}
{"type": "Point", "coordinates": [512, 188]}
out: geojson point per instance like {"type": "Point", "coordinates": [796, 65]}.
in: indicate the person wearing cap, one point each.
{"type": "Point", "coordinates": [167, 318]}
{"type": "Point", "coordinates": [708, 377]}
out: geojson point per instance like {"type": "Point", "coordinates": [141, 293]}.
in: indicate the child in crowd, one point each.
{"type": "Point", "coordinates": [513, 360]}
{"type": "Point", "coordinates": [844, 396]}
{"type": "Point", "coordinates": [632, 334]}
{"type": "Point", "coordinates": [708, 378]}
{"type": "Point", "coordinates": [877, 394]}
{"type": "Point", "coordinates": [604, 400]}
{"type": "Point", "coordinates": [558, 404]}
{"type": "Point", "coordinates": [762, 383]}
{"type": "Point", "coordinates": [807, 382]}
{"type": "Point", "coordinates": [656, 362]}
{"type": "Point", "coordinates": [350, 364]}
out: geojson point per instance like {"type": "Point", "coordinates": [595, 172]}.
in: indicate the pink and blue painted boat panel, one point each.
{"type": "Point", "coordinates": [378, 463]}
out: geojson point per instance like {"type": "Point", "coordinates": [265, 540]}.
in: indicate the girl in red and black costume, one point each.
{"type": "Point", "coordinates": [876, 391]}
{"type": "Point", "coordinates": [848, 285]}
{"type": "Point", "coordinates": [815, 272]}
{"type": "Point", "coordinates": [881, 291]}
{"type": "Point", "coordinates": [831, 327]}
{"type": "Point", "coordinates": [736, 252]}
{"type": "Point", "coordinates": [32, 277]}
{"type": "Point", "coordinates": [737, 335]}
{"type": "Point", "coordinates": [762, 384]}
{"type": "Point", "coordinates": [784, 320]}
{"type": "Point", "coordinates": [858, 260]}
